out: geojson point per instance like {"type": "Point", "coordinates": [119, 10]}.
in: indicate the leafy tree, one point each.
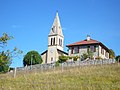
{"type": "Point", "coordinates": [32, 57]}
{"type": "Point", "coordinates": [63, 59]}
{"type": "Point", "coordinates": [117, 58]}
{"type": "Point", "coordinates": [6, 56]}
{"type": "Point", "coordinates": [4, 62]}
{"type": "Point", "coordinates": [111, 54]}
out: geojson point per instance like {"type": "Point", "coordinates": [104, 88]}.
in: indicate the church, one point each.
{"type": "Point", "coordinates": [55, 43]}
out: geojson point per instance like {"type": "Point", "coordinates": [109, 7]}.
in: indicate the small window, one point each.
{"type": "Point", "coordinates": [88, 49]}
{"type": "Point", "coordinates": [54, 41]}
{"type": "Point", "coordinates": [61, 43]}
{"type": "Point", "coordinates": [72, 50]}
{"type": "Point", "coordinates": [78, 50]}
{"type": "Point", "coordinates": [94, 48]}
{"type": "Point", "coordinates": [51, 59]}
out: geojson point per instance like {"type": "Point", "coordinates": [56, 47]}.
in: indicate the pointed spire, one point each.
{"type": "Point", "coordinates": [56, 27]}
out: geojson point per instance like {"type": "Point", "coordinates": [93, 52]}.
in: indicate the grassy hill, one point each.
{"type": "Point", "coordinates": [106, 77]}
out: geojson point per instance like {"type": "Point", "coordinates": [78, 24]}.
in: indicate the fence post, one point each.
{"type": "Point", "coordinates": [118, 61]}
{"type": "Point", "coordinates": [62, 67]}
{"type": "Point", "coordinates": [15, 72]}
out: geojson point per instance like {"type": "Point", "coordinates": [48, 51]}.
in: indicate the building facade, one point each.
{"type": "Point", "coordinates": [55, 43]}
{"type": "Point", "coordinates": [88, 45]}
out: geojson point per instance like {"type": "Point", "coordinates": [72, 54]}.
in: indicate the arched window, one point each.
{"type": "Point", "coordinates": [51, 41]}
{"type": "Point", "coordinates": [54, 41]}
{"type": "Point", "coordinates": [59, 41]}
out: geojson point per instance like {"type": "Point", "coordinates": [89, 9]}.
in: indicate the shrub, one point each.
{"type": "Point", "coordinates": [62, 59]}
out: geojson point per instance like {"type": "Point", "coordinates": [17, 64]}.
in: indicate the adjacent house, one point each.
{"type": "Point", "coordinates": [88, 45]}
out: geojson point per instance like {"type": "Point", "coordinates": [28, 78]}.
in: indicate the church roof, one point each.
{"type": "Point", "coordinates": [62, 51]}
{"type": "Point", "coordinates": [57, 50]}
{"type": "Point", "coordinates": [56, 27]}
{"type": "Point", "coordinates": [87, 42]}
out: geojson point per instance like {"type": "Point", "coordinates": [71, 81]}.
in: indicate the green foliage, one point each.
{"type": "Point", "coordinates": [84, 56]}
{"type": "Point", "coordinates": [75, 58]}
{"type": "Point", "coordinates": [4, 39]}
{"type": "Point", "coordinates": [117, 58]}
{"type": "Point", "coordinates": [4, 63]}
{"type": "Point", "coordinates": [57, 64]}
{"type": "Point", "coordinates": [32, 57]}
{"type": "Point", "coordinates": [111, 54]}
{"type": "Point", "coordinates": [87, 55]}
{"type": "Point", "coordinates": [7, 56]}
{"type": "Point", "coordinates": [90, 54]}
{"type": "Point", "coordinates": [62, 59]}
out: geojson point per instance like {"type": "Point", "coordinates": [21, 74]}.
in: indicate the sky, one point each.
{"type": "Point", "coordinates": [30, 21]}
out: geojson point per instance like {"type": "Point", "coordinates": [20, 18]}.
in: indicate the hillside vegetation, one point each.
{"type": "Point", "coordinates": [106, 77]}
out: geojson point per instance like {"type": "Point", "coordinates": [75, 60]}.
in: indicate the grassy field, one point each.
{"type": "Point", "coordinates": [106, 77]}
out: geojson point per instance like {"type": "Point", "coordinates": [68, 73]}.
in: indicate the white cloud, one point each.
{"type": "Point", "coordinates": [15, 26]}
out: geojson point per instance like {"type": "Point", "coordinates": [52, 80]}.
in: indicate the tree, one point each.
{"type": "Point", "coordinates": [32, 58]}
{"type": "Point", "coordinates": [6, 56]}
{"type": "Point", "coordinates": [111, 54]}
{"type": "Point", "coordinates": [4, 39]}
{"type": "Point", "coordinates": [4, 62]}
{"type": "Point", "coordinates": [63, 59]}
{"type": "Point", "coordinates": [117, 58]}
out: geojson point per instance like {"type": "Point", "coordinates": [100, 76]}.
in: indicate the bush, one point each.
{"type": "Point", "coordinates": [62, 59]}
{"type": "Point", "coordinates": [117, 58]}
{"type": "Point", "coordinates": [57, 63]}
{"type": "Point", "coordinates": [75, 58]}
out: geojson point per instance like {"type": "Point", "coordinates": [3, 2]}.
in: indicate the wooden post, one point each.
{"type": "Point", "coordinates": [118, 61]}
{"type": "Point", "coordinates": [15, 72]}
{"type": "Point", "coordinates": [62, 67]}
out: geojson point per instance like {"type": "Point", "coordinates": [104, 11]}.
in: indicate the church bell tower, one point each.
{"type": "Point", "coordinates": [55, 40]}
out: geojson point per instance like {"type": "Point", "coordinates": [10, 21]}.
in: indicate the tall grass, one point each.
{"type": "Point", "coordinates": [106, 77]}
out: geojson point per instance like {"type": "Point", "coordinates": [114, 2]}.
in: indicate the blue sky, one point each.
{"type": "Point", "coordinates": [30, 21]}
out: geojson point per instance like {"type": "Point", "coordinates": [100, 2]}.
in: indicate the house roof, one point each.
{"type": "Point", "coordinates": [85, 42]}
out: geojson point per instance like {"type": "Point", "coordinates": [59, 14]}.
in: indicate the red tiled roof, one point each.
{"type": "Point", "coordinates": [84, 42]}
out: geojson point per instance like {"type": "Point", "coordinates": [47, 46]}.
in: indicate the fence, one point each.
{"type": "Point", "coordinates": [49, 66]}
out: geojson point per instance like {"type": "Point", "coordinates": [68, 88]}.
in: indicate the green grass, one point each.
{"type": "Point", "coordinates": [106, 77]}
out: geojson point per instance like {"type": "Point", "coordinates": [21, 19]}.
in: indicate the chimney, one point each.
{"type": "Point", "coordinates": [88, 38]}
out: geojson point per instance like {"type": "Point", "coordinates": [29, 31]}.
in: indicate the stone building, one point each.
{"type": "Point", "coordinates": [55, 43]}
{"type": "Point", "coordinates": [97, 48]}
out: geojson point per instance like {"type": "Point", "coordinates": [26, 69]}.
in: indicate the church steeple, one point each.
{"type": "Point", "coordinates": [55, 42]}
{"type": "Point", "coordinates": [56, 27]}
